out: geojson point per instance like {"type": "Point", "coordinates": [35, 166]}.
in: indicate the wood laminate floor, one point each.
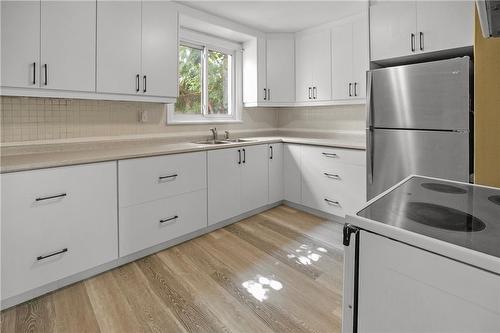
{"type": "Point", "coordinates": [278, 271]}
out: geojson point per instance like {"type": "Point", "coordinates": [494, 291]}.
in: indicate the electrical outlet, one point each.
{"type": "Point", "coordinates": [143, 116]}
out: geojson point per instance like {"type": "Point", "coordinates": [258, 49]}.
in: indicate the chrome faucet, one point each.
{"type": "Point", "coordinates": [214, 133]}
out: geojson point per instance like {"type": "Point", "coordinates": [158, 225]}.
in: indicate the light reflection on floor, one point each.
{"type": "Point", "coordinates": [260, 286]}
{"type": "Point", "coordinates": [306, 254]}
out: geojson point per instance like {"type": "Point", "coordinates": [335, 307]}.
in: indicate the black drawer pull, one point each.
{"type": "Point", "coordinates": [169, 219]}
{"type": "Point", "coordinates": [62, 195]}
{"type": "Point", "coordinates": [272, 155]}
{"type": "Point", "coordinates": [167, 177]}
{"type": "Point", "coordinates": [333, 155]}
{"type": "Point", "coordinates": [52, 254]}
{"type": "Point", "coordinates": [336, 203]}
{"type": "Point", "coordinates": [244, 155]}
{"type": "Point", "coordinates": [331, 175]}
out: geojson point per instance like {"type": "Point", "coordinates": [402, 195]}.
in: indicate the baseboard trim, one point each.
{"type": "Point", "coordinates": [66, 281]}
{"type": "Point", "coordinates": [319, 213]}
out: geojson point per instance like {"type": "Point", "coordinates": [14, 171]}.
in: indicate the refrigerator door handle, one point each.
{"type": "Point", "coordinates": [369, 109]}
{"type": "Point", "coordinates": [351, 256]}
{"type": "Point", "coordinates": [369, 155]}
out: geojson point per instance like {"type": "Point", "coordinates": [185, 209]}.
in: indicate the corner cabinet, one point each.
{"type": "Point", "coordinates": [350, 59]}
{"type": "Point", "coordinates": [269, 70]}
{"type": "Point", "coordinates": [48, 45]}
{"type": "Point", "coordinates": [137, 48]}
{"type": "Point", "coordinates": [237, 181]}
{"type": "Point", "coordinates": [313, 65]}
{"type": "Point", "coordinates": [399, 29]}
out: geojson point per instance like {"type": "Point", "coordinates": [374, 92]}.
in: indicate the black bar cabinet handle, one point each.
{"type": "Point", "coordinates": [45, 74]}
{"type": "Point", "coordinates": [244, 155]}
{"type": "Point", "coordinates": [265, 94]}
{"type": "Point", "coordinates": [137, 83]}
{"type": "Point", "coordinates": [332, 202]}
{"type": "Point", "coordinates": [62, 195]}
{"type": "Point", "coordinates": [169, 219]}
{"type": "Point", "coordinates": [331, 175]}
{"type": "Point", "coordinates": [310, 89]}
{"type": "Point", "coordinates": [239, 156]}
{"type": "Point", "coordinates": [355, 89]}
{"type": "Point", "coordinates": [167, 177]}
{"type": "Point", "coordinates": [412, 42]}
{"type": "Point", "coordinates": [271, 157]}
{"type": "Point", "coordinates": [315, 92]}
{"type": "Point", "coordinates": [421, 40]}
{"type": "Point", "coordinates": [330, 155]}
{"type": "Point", "coordinates": [350, 90]}
{"type": "Point", "coordinates": [34, 73]}
{"type": "Point", "coordinates": [144, 82]}
{"type": "Point", "coordinates": [52, 254]}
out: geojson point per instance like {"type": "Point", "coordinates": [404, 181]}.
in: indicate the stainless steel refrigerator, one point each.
{"type": "Point", "coordinates": [419, 121]}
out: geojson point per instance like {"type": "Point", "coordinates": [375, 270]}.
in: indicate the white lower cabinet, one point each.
{"type": "Point", "coordinates": [237, 181]}
{"type": "Point", "coordinates": [152, 223]}
{"type": "Point", "coordinates": [328, 179]}
{"type": "Point", "coordinates": [333, 179]}
{"type": "Point", "coordinates": [292, 176]}
{"type": "Point", "coordinates": [276, 179]}
{"type": "Point", "coordinates": [55, 223]}
{"type": "Point", "coordinates": [151, 178]}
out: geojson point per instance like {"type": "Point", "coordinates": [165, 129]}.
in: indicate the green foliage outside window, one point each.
{"type": "Point", "coordinates": [191, 81]}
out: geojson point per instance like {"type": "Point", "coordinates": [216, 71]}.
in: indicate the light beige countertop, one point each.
{"type": "Point", "coordinates": [14, 159]}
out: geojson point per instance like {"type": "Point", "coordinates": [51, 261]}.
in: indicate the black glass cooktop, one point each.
{"type": "Point", "coordinates": [462, 214]}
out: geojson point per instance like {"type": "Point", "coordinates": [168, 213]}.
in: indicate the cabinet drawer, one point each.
{"type": "Point", "coordinates": [327, 156]}
{"type": "Point", "coordinates": [71, 210]}
{"type": "Point", "coordinates": [342, 183]}
{"type": "Point", "coordinates": [146, 179]}
{"type": "Point", "coordinates": [148, 224]}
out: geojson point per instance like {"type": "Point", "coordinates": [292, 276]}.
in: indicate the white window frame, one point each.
{"type": "Point", "coordinates": [206, 42]}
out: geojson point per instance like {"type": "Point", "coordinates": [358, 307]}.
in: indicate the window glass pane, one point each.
{"type": "Point", "coordinates": [190, 80]}
{"type": "Point", "coordinates": [219, 82]}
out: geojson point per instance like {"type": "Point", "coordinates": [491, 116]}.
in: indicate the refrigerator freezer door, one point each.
{"type": "Point", "coordinates": [432, 95]}
{"type": "Point", "coordinates": [393, 155]}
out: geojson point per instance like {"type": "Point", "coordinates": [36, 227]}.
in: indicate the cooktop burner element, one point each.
{"type": "Point", "coordinates": [444, 188]}
{"type": "Point", "coordinates": [495, 199]}
{"type": "Point", "coordinates": [443, 217]}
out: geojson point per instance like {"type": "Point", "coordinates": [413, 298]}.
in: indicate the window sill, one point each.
{"type": "Point", "coordinates": [204, 121]}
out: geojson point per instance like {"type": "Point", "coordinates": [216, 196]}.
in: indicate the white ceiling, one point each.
{"type": "Point", "coordinates": [279, 16]}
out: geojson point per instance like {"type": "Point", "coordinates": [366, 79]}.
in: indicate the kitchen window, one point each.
{"type": "Point", "coordinates": [207, 74]}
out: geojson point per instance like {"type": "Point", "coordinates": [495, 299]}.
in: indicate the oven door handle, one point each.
{"type": "Point", "coordinates": [351, 277]}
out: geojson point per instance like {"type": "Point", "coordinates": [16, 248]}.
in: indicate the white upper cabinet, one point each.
{"type": "Point", "coordinates": [20, 43]}
{"type": "Point", "coordinates": [159, 48]}
{"type": "Point", "coordinates": [313, 65]}
{"type": "Point", "coordinates": [280, 64]}
{"type": "Point", "coordinates": [119, 47]}
{"type": "Point", "coordinates": [137, 48]}
{"type": "Point", "coordinates": [48, 44]}
{"type": "Point", "coordinates": [392, 29]}
{"type": "Point", "coordinates": [303, 68]}
{"type": "Point", "coordinates": [269, 70]}
{"type": "Point", "coordinates": [68, 44]}
{"type": "Point", "coordinates": [350, 58]}
{"type": "Point", "coordinates": [406, 28]}
{"type": "Point", "coordinates": [444, 25]}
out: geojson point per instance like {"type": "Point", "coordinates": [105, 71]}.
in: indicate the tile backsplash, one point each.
{"type": "Point", "coordinates": [52, 119]}
{"type": "Point", "coordinates": [45, 120]}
